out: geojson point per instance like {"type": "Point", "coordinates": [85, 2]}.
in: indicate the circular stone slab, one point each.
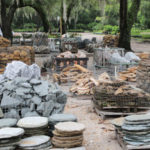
{"type": "Point", "coordinates": [8, 122]}
{"type": "Point", "coordinates": [135, 118]}
{"type": "Point", "coordinates": [32, 122]}
{"type": "Point", "coordinates": [6, 133]}
{"type": "Point", "coordinates": [34, 141]}
{"type": "Point", "coordinates": [62, 118]}
{"type": "Point", "coordinates": [69, 127]}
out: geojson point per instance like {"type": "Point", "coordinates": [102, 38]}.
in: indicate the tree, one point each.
{"type": "Point", "coordinates": [127, 19]}
{"type": "Point", "coordinates": [9, 7]}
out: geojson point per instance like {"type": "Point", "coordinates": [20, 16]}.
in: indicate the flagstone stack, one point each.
{"type": "Point", "coordinates": [68, 135]}
{"type": "Point", "coordinates": [9, 138]}
{"type": "Point", "coordinates": [136, 130]}
{"type": "Point", "coordinates": [41, 142]}
{"type": "Point", "coordinates": [34, 125]}
{"type": "Point", "coordinates": [57, 118]}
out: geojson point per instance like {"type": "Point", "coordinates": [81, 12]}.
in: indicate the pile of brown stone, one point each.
{"type": "Point", "coordinates": [4, 42]}
{"type": "Point", "coordinates": [19, 53]}
{"type": "Point", "coordinates": [111, 40]}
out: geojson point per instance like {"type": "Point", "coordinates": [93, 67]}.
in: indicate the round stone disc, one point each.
{"type": "Point", "coordinates": [34, 141]}
{"type": "Point", "coordinates": [69, 127]}
{"type": "Point", "coordinates": [10, 132]}
{"type": "Point", "coordinates": [8, 122]}
{"type": "Point", "coordinates": [62, 118]}
{"type": "Point", "coordinates": [135, 118]}
{"type": "Point", "coordinates": [32, 122]}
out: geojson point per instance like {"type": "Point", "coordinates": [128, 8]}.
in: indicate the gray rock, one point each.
{"type": "Point", "coordinates": [22, 91]}
{"type": "Point", "coordinates": [62, 98]}
{"type": "Point", "coordinates": [9, 102]}
{"type": "Point", "coordinates": [42, 89]}
{"type": "Point", "coordinates": [31, 114]}
{"type": "Point", "coordinates": [8, 122]}
{"type": "Point", "coordinates": [12, 114]}
{"type": "Point", "coordinates": [40, 108]}
{"type": "Point", "coordinates": [24, 111]}
{"type": "Point", "coordinates": [25, 85]}
{"type": "Point", "coordinates": [19, 80]}
{"type": "Point", "coordinates": [36, 100]}
{"type": "Point", "coordinates": [138, 118]}
{"type": "Point", "coordinates": [51, 97]}
{"type": "Point", "coordinates": [48, 107]}
{"type": "Point", "coordinates": [62, 118]}
{"type": "Point", "coordinates": [32, 107]}
{"type": "Point", "coordinates": [35, 82]}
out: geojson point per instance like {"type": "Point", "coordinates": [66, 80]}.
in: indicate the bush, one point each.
{"type": "Point", "coordinates": [110, 29]}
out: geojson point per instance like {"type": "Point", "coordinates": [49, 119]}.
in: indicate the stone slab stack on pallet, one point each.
{"type": "Point", "coordinates": [19, 53]}
{"type": "Point", "coordinates": [143, 74]}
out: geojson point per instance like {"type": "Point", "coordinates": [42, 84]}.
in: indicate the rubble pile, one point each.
{"type": "Point", "coordinates": [110, 40]}
{"type": "Point", "coordinates": [68, 135]}
{"type": "Point", "coordinates": [18, 53]}
{"type": "Point", "coordinates": [129, 74]}
{"type": "Point", "coordinates": [23, 97]}
{"type": "Point", "coordinates": [4, 42]}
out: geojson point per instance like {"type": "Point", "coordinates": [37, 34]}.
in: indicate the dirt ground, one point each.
{"type": "Point", "coordinates": [99, 135]}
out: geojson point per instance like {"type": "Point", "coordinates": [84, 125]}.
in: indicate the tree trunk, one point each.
{"type": "Point", "coordinates": [127, 19]}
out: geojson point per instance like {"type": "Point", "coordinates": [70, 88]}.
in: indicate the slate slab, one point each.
{"type": "Point", "coordinates": [8, 122]}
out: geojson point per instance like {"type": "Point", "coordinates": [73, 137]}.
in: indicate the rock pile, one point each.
{"type": "Point", "coordinates": [136, 130]}
{"type": "Point", "coordinates": [111, 40]}
{"type": "Point", "coordinates": [9, 138]}
{"type": "Point", "coordinates": [35, 143]}
{"type": "Point", "coordinates": [143, 75]}
{"type": "Point", "coordinates": [57, 118]}
{"type": "Point", "coordinates": [4, 42]}
{"type": "Point", "coordinates": [34, 125]}
{"type": "Point", "coordinates": [23, 97]}
{"type": "Point", "coordinates": [68, 135]}
{"type": "Point", "coordinates": [18, 53]}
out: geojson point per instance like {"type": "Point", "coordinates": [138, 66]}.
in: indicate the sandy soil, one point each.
{"type": "Point", "coordinates": [99, 135]}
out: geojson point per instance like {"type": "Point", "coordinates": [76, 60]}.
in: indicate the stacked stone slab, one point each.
{"type": "Point", "coordinates": [35, 143]}
{"type": "Point", "coordinates": [57, 118]}
{"type": "Point", "coordinates": [19, 53]}
{"type": "Point", "coordinates": [34, 125]}
{"type": "Point", "coordinates": [9, 138]}
{"type": "Point", "coordinates": [136, 130]}
{"type": "Point", "coordinates": [68, 135]}
{"type": "Point", "coordinates": [143, 75]}
{"type": "Point", "coordinates": [23, 97]}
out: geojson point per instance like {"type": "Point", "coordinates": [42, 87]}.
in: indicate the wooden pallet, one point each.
{"type": "Point", "coordinates": [114, 111]}
{"type": "Point", "coordinates": [129, 147]}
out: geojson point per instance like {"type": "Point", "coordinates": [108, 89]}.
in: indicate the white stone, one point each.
{"type": "Point", "coordinates": [34, 141]}
{"type": "Point", "coordinates": [70, 127]}
{"type": "Point", "coordinates": [32, 122]}
{"type": "Point", "coordinates": [10, 132]}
